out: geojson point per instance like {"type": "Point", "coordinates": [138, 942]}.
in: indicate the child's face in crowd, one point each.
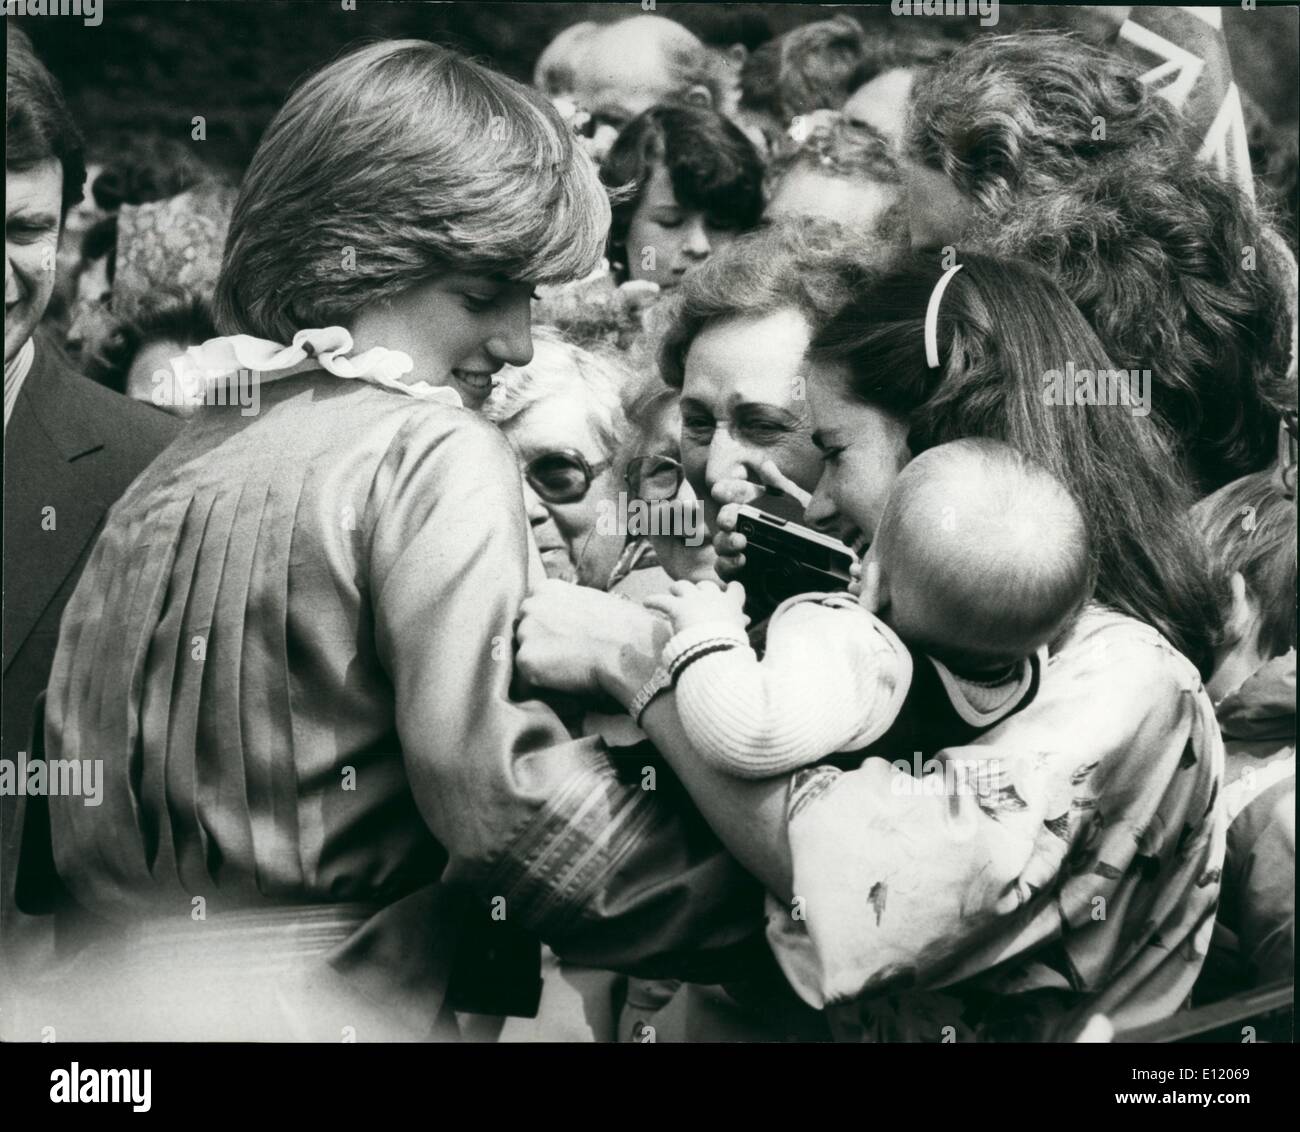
{"type": "Point", "coordinates": [459, 329]}
{"type": "Point", "coordinates": [744, 402]}
{"type": "Point", "coordinates": [33, 198]}
{"type": "Point", "coordinates": [863, 448]}
{"type": "Point", "coordinates": [665, 240]}
{"type": "Point", "coordinates": [574, 547]}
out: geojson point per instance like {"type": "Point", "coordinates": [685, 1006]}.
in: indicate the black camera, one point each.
{"type": "Point", "coordinates": [783, 559]}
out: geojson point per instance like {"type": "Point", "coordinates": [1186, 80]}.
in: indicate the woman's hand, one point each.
{"type": "Point", "coordinates": [734, 491]}
{"type": "Point", "coordinates": [579, 640]}
{"type": "Point", "coordinates": [699, 603]}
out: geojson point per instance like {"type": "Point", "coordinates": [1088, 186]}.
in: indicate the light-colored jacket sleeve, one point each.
{"type": "Point", "coordinates": [832, 678]}
{"type": "Point", "coordinates": [607, 872]}
{"type": "Point", "coordinates": [1075, 847]}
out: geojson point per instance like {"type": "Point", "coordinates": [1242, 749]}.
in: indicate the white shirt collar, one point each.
{"type": "Point", "coordinates": [15, 374]}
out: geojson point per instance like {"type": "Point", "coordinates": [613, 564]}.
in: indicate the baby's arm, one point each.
{"type": "Point", "coordinates": [825, 673]}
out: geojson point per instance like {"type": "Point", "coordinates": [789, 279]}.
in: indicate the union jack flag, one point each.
{"type": "Point", "coordinates": [1186, 58]}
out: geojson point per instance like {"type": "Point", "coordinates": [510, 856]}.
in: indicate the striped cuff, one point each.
{"type": "Point", "coordinates": [695, 641]}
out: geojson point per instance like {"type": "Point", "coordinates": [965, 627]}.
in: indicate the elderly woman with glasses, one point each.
{"type": "Point", "coordinates": [563, 416]}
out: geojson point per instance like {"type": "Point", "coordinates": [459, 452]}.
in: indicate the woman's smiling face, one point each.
{"type": "Point", "coordinates": [744, 402]}
{"type": "Point", "coordinates": [459, 329]}
{"type": "Point", "coordinates": [863, 449]}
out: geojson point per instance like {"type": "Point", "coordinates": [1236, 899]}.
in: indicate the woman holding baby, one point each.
{"type": "Point", "coordinates": [1080, 873]}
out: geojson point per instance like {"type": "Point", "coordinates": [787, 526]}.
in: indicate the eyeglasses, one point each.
{"type": "Point", "coordinates": [563, 476]}
{"type": "Point", "coordinates": [654, 478]}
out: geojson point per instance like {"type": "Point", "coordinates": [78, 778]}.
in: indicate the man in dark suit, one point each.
{"type": "Point", "coordinates": [71, 447]}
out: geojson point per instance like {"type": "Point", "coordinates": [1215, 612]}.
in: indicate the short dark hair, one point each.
{"type": "Point", "coordinates": [38, 126]}
{"type": "Point", "coordinates": [1168, 243]}
{"type": "Point", "coordinates": [1128, 220]}
{"type": "Point", "coordinates": [1008, 116]}
{"type": "Point", "coordinates": [712, 166]}
{"type": "Point", "coordinates": [808, 264]}
{"type": "Point", "coordinates": [145, 169]}
{"type": "Point", "coordinates": [182, 317]}
{"type": "Point", "coordinates": [99, 241]}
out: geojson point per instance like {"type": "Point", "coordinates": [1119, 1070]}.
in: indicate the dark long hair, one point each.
{"type": "Point", "coordinates": [711, 165]}
{"type": "Point", "coordinates": [1002, 328]}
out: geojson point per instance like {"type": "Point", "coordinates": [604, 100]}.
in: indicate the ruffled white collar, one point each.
{"type": "Point", "coordinates": [205, 368]}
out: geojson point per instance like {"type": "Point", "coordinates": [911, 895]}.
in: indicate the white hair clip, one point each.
{"type": "Point", "coordinates": [932, 317]}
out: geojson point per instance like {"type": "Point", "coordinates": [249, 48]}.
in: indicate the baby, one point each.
{"type": "Point", "coordinates": [979, 560]}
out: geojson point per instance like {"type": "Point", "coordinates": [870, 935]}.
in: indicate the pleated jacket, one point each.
{"type": "Point", "coordinates": [292, 651]}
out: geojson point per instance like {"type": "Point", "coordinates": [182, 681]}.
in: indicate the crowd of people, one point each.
{"type": "Point", "coordinates": [379, 541]}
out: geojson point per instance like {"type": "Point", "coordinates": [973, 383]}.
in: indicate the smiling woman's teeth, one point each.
{"type": "Point", "coordinates": [478, 382]}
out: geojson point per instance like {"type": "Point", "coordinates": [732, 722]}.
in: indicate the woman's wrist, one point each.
{"type": "Point", "coordinates": [633, 660]}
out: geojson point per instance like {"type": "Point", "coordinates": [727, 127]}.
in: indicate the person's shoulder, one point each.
{"type": "Point", "coordinates": [73, 404]}
{"type": "Point", "coordinates": [1113, 647]}
{"type": "Point", "coordinates": [423, 423]}
{"type": "Point", "coordinates": [407, 423]}
{"type": "Point", "coordinates": [423, 445]}
{"type": "Point", "coordinates": [836, 620]}
{"type": "Point", "coordinates": [131, 424]}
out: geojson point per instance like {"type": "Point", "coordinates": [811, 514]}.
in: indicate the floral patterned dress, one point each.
{"type": "Point", "coordinates": [1075, 871]}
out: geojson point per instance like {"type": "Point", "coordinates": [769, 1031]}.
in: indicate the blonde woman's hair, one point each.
{"type": "Point", "coordinates": [395, 164]}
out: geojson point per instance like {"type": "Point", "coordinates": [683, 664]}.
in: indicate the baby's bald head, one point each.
{"type": "Point", "coordinates": [984, 553]}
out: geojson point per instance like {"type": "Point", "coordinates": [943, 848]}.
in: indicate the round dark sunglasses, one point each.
{"type": "Point", "coordinates": [654, 478]}
{"type": "Point", "coordinates": [563, 476]}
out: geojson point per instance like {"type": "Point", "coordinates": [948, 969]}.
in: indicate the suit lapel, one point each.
{"type": "Point", "coordinates": [52, 500]}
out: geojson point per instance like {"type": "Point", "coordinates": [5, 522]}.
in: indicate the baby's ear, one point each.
{"type": "Point", "coordinates": [697, 94]}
